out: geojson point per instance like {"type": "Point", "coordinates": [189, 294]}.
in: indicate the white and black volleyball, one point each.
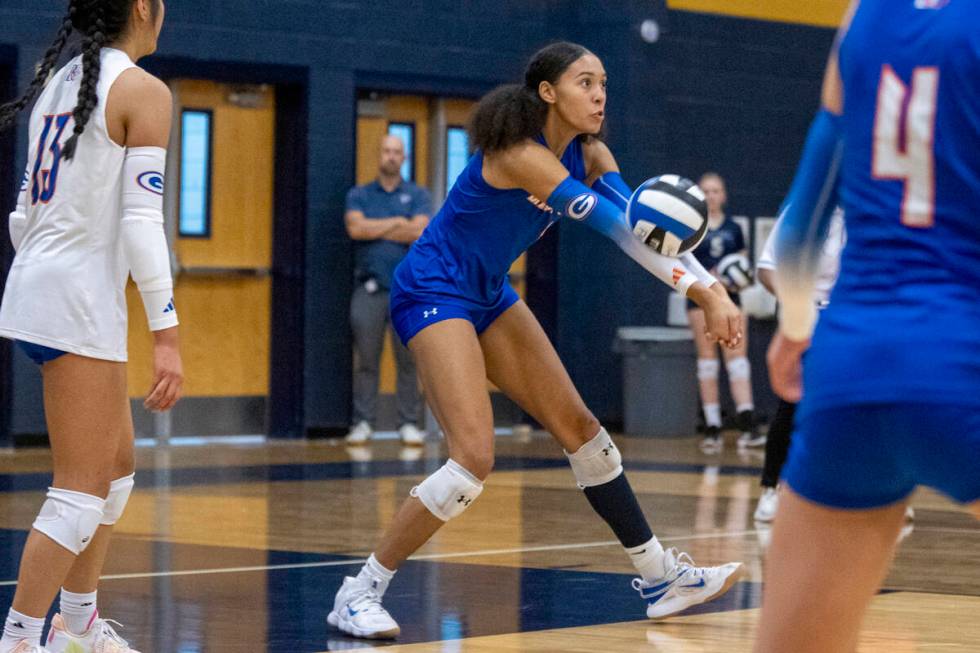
{"type": "Point", "coordinates": [736, 271]}
{"type": "Point", "coordinates": [669, 214]}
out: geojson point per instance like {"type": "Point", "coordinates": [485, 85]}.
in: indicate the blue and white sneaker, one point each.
{"type": "Point", "coordinates": [686, 585]}
{"type": "Point", "coordinates": [357, 611]}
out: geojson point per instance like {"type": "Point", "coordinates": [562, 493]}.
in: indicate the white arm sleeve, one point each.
{"type": "Point", "coordinates": [670, 270]}
{"type": "Point", "coordinates": [143, 240]}
{"type": "Point", "coordinates": [698, 270]}
{"type": "Point", "coordinates": [18, 219]}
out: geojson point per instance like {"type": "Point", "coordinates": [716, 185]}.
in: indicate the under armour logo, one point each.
{"type": "Point", "coordinates": [605, 452]}
{"type": "Point", "coordinates": [427, 314]}
{"type": "Point", "coordinates": [85, 539]}
{"type": "Point", "coordinates": [463, 500]}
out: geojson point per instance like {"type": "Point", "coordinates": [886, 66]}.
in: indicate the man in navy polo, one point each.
{"type": "Point", "coordinates": [384, 218]}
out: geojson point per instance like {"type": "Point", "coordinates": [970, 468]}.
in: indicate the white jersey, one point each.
{"type": "Point", "coordinates": [827, 267]}
{"type": "Point", "coordinates": [67, 285]}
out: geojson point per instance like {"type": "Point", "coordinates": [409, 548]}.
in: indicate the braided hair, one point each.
{"type": "Point", "coordinates": [9, 111]}
{"type": "Point", "coordinates": [99, 22]}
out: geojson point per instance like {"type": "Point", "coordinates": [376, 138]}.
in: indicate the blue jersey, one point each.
{"type": "Point", "coordinates": [904, 319]}
{"type": "Point", "coordinates": [719, 243]}
{"type": "Point", "coordinates": [468, 248]}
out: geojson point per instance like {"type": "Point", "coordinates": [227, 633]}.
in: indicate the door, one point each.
{"type": "Point", "coordinates": [437, 150]}
{"type": "Point", "coordinates": [220, 192]}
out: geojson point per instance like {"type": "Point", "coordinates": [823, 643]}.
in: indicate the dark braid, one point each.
{"type": "Point", "coordinates": [100, 22]}
{"type": "Point", "coordinates": [88, 96]}
{"type": "Point", "coordinates": [9, 111]}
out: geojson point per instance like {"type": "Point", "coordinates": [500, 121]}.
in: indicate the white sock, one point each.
{"type": "Point", "coordinates": [19, 627]}
{"type": "Point", "coordinates": [741, 408]}
{"type": "Point", "coordinates": [712, 415]}
{"type": "Point", "coordinates": [648, 559]}
{"type": "Point", "coordinates": [78, 610]}
{"type": "Point", "coordinates": [376, 574]}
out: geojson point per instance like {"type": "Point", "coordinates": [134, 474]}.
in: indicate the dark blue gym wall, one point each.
{"type": "Point", "coordinates": [714, 93]}
{"type": "Point", "coordinates": [725, 94]}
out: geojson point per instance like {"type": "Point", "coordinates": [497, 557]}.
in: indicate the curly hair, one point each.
{"type": "Point", "coordinates": [99, 22]}
{"type": "Point", "coordinates": [513, 112]}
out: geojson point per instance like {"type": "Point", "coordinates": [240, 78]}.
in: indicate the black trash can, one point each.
{"type": "Point", "coordinates": [660, 391]}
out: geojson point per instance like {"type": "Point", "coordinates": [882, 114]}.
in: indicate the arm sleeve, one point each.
{"type": "Point", "coordinates": [573, 199]}
{"type": "Point", "coordinates": [803, 224]}
{"type": "Point", "coordinates": [612, 186]}
{"type": "Point", "coordinates": [18, 219]}
{"type": "Point", "coordinates": [141, 231]}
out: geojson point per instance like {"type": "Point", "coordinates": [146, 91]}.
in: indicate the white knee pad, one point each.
{"type": "Point", "coordinates": [708, 369]}
{"type": "Point", "coordinates": [449, 491]}
{"type": "Point", "coordinates": [598, 461]}
{"type": "Point", "coordinates": [70, 518]}
{"type": "Point", "coordinates": [115, 503]}
{"type": "Point", "coordinates": [739, 368]}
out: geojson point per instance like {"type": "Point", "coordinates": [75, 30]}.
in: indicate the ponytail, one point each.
{"type": "Point", "coordinates": [506, 116]}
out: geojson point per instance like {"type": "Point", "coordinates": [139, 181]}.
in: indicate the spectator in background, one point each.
{"type": "Point", "coordinates": [384, 218]}
{"type": "Point", "coordinates": [724, 237]}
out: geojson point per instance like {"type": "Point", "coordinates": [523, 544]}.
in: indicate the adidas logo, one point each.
{"type": "Point", "coordinates": [170, 307]}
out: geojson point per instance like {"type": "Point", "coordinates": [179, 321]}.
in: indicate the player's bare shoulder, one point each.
{"type": "Point", "coordinates": [139, 109]}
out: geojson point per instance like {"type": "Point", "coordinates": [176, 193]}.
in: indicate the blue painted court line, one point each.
{"type": "Point", "coordinates": [191, 476]}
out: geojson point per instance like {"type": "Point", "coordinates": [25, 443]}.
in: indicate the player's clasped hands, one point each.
{"type": "Point", "coordinates": [723, 321]}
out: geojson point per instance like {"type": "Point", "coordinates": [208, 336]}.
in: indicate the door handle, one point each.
{"type": "Point", "coordinates": [209, 271]}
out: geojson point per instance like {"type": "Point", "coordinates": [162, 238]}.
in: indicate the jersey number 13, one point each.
{"type": "Point", "coordinates": [44, 181]}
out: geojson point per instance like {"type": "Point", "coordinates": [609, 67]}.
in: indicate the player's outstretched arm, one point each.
{"type": "Point", "coordinates": [535, 169]}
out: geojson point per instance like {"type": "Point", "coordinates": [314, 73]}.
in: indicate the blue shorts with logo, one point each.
{"type": "Point", "coordinates": [861, 456]}
{"type": "Point", "coordinates": [39, 353]}
{"type": "Point", "coordinates": [413, 311]}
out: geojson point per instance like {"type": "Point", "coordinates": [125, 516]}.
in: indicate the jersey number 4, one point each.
{"type": "Point", "coordinates": [44, 181]}
{"type": "Point", "coordinates": [904, 133]}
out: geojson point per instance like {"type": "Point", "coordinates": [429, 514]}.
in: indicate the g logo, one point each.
{"type": "Point", "coordinates": [580, 207]}
{"type": "Point", "coordinates": [151, 181]}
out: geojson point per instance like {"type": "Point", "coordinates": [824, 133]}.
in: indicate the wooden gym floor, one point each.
{"type": "Point", "coordinates": [239, 548]}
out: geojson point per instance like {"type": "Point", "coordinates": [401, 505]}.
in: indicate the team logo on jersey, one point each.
{"type": "Point", "coordinates": [580, 207]}
{"type": "Point", "coordinates": [678, 274]}
{"type": "Point", "coordinates": [151, 181]}
{"type": "Point", "coordinates": [73, 73]}
{"type": "Point", "coordinates": [405, 198]}
{"type": "Point", "coordinates": [930, 4]}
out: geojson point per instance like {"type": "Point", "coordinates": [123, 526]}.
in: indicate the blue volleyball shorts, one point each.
{"type": "Point", "coordinates": [412, 312]}
{"type": "Point", "coordinates": [39, 353]}
{"type": "Point", "coordinates": [872, 455]}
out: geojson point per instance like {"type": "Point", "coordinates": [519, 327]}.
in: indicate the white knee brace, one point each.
{"type": "Point", "coordinates": [708, 369]}
{"type": "Point", "coordinates": [115, 503]}
{"type": "Point", "coordinates": [70, 518]}
{"type": "Point", "coordinates": [449, 491]}
{"type": "Point", "coordinates": [598, 461]}
{"type": "Point", "coordinates": [739, 368]}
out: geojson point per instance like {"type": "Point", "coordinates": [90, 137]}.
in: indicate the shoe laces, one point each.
{"type": "Point", "coordinates": [367, 601]}
{"type": "Point", "coordinates": [683, 564]}
{"type": "Point", "coordinates": [108, 632]}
